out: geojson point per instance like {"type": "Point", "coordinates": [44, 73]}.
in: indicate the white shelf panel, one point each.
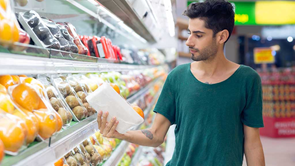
{"type": "Point", "coordinates": [23, 64]}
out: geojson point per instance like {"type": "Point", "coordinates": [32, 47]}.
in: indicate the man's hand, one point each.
{"type": "Point", "coordinates": [108, 129]}
{"type": "Point", "coordinates": [149, 137]}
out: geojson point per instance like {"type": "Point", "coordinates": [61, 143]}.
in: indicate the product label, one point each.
{"type": "Point", "coordinates": [100, 50]}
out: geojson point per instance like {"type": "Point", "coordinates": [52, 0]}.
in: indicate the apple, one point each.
{"type": "Point", "coordinates": [100, 150]}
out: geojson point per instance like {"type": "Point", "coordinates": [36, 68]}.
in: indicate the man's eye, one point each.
{"type": "Point", "coordinates": [198, 36]}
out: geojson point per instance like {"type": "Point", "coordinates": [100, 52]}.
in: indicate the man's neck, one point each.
{"type": "Point", "coordinates": [213, 66]}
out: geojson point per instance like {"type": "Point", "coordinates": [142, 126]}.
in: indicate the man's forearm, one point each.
{"type": "Point", "coordinates": [142, 137]}
{"type": "Point", "coordinates": [254, 154]}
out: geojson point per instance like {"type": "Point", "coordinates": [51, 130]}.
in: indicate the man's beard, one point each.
{"type": "Point", "coordinates": [206, 54]}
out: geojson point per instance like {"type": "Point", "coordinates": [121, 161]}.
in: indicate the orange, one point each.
{"type": "Point", "coordinates": [3, 89]}
{"type": "Point", "coordinates": [59, 121]}
{"type": "Point", "coordinates": [116, 87]}
{"type": "Point", "coordinates": [15, 37]}
{"type": "Point", "coordinates": [41, 105]}
{"type": "Point", "coordinates": [33, 81]}
{"type": "Point", "coordinates": [6, 80]}
{"type": "Point", "coordinates": [11, 134]}
{"type": "Point", "coordinates": [6, 30]}
{"type": "Point", "coordinates": [47, 123]}
{"type": "Point", "coordinates": [3, 4]}
{"type": "Point", "coordinates": [59, 162]}
{"type": "Point", "coordinates": [1, 150]}
{"type": "Point", "coordinates": [31, 124]}
{"type": "Point", "coordinates": [22, 75]}
{"type": "Point", "coordinates": [15, 79]}
{"type": "Point", "coordinates": [5, 103]}
{"type": "Point", "coordinates": [138, 110]}
{"type": "Point", "coordinates": [26, 96]}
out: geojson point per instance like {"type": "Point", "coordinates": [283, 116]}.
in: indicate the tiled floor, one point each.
{"type": "Point", "coordinates": [279, 152]}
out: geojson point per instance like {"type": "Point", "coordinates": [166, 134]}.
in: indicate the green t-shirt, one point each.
{"type": "Point", "coordinates": [209, 118]}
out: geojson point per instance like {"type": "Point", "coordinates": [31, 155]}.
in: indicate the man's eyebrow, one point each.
{"type": "Point", "coordinates": [198, 32]}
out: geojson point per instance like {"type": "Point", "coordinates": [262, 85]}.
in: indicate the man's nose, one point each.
{"type": "Point", "coordinates": [189, 42]}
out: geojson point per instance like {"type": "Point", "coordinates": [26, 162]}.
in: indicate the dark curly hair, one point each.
{"type": "Point", "coordinates": [217, 14]}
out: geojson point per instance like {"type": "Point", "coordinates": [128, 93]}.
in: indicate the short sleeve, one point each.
{"type": "Point", "coordinates": [252, 113]}
{"type": "Point", "coordinates": [166, 102]}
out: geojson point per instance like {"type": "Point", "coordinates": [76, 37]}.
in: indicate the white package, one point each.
{"type": "Point", "coordinates": [105, 98]}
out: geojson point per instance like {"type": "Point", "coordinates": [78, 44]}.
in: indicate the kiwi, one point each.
{"type": "Point", "coordinates": [87, 156]}
{"type": "Point", "coordinates": [79, 112]}
{"type": "Point", "coordinates": [68, 155]}
{"type": "Point", "coordinates": [72, 161]}
{"type": "Point", "coordinates": [70, 116]}
{"type": "Point", "coordinates": [82, 96]}
{"type": "Point", "coordinates": [79, 157]}
{"type": "Point", "coordinates": [72, 101]}
{"type": "Point", "coordinates": [73, 84]}
{"type": "Point", "coordinates": [76, 150]}
{"type": "Point", "coordinates": [90, 149]}
{"type": "Point", "coordinates": [64, 88]}
{"type": "Point", "coordinates": [95, 158]}
{"type": "Point", "coordinates": [78, 88]}
{"type": "Point", "coordinates": [50, 93]}
{"type": "Point", "coordinates": [85, 143]}
{"type": "Point", "coordinates": [82, 148]}
{"type": "Point", "coordinates": [64, 115]}
{"type": "Point", "coordinates": [55, 103]}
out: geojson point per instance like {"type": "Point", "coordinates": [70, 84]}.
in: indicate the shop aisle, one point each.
{"type": "Point", "coordinates": [278, 152]}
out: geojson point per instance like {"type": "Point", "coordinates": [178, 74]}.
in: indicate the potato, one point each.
{"type": "Point", "coordinates": [82, 96]}
{"type": "Point", "coordinates": [80, 112]}
{"type": "Point", "coordinates": [55, 103]}
{"type": "Point", "coordinates": [72, 101]}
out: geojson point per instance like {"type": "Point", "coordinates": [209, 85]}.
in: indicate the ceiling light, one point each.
{"type": "Point", "coordinates": [269, 38]}
{"type": "Point", "coordinates": [290, 39]}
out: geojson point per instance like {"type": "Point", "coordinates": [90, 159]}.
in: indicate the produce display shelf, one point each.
{"type": "Point", "coordinates": [46, 152]}
{"type": "Point", "coordinates": [136, 156]}
{"type": "Point", "coordinates": [24, 64]}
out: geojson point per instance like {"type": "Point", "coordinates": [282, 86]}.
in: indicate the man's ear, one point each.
{"type": "Point", "coordinates": [222, 36]}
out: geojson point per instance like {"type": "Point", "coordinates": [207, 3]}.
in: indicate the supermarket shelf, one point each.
{"type": "Point", "coordinates": [135, 158]}
{"type": "Point", "coordinates": [66, 140]}
{"type": "Point", "coordinates": [23, 64]}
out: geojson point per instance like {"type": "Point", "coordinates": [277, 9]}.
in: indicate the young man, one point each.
{"type": "Point", "coordinates": [216, 104]}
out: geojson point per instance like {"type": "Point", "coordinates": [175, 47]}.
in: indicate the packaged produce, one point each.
{"type": "Point", "coordinates": [70, 97]}
{"type": "Point", "coordinates": [85, 40]}
{"type": "Point", "coordinates": [30, 95]}
{"type": "Point", "coordinates": [1, 150]}
{"type": "Point", "coordinates": [80, 157]}
{"type": "Point", "coordinates": [72, 31]}
{"type": "Point", "coordinates": [105, 98]}
{"type": "Point", "coordinates": [9, 28]}
{"type": "Point", "coordinates": [71, 160]}
{"type": "Point", "coordinates": [96, 156]}
{"type": "Point", "coordinates": [56, 101]}
{"type": "Point", "coordinates": [12, 132]}
{"type": "Point", "coordinates": [37, 29]}
{"type": "Point", "coordinates": [69, 38]}
{"type": "Point", "coordinates": [54, 29]}
{"type": "Point", "coordinates": [31, 121]}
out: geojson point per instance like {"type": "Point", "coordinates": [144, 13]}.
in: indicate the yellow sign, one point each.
{"type": "Point", "coordinates": [263, 55]}
{"type": "Point", "coordinates": [276, 12]}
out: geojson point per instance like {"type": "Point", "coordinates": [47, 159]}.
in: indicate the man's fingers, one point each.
{"type": "Point", "coordinates": [99, 119]}
{"type": "Point", "coordinates": [113, 129]}
{"type": "Point", "coordinates": [103, 122]}
{"type": "Point", "coordinates": [109, 126]}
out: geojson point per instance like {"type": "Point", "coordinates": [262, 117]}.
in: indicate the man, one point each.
{"type": "Point", "coordinates": [216, 104]}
